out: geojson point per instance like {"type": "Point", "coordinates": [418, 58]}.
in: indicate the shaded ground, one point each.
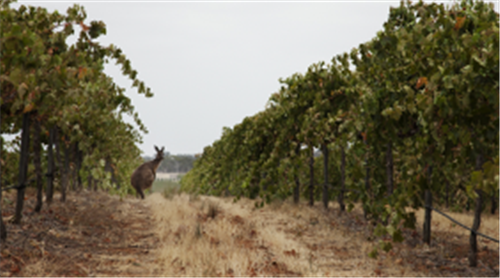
{"type": "Point", "coordinates": [94, 234]}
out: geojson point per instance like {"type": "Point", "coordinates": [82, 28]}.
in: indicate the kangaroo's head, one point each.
{"type": "Point", "coordinates": [159, 153]}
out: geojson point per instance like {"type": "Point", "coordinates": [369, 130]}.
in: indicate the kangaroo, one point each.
{"type": "Point", "coordinates": [144, 175]}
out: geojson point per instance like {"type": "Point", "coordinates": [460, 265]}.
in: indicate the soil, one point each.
{"type": "Point", "coordinates": [91, 234]}
{"type": "Point", "coordinates": [95, 234]}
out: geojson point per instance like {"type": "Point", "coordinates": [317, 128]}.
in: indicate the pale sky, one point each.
{"type": "Point", "coordinates": [211, 64]}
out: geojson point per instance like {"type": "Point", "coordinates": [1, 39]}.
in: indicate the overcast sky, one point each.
{"type": "Point", "coordinates": [210, 64]}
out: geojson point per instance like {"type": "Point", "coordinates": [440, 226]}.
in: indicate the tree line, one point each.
{"type": "Point", "coordinates": [413, 109]}
{"type": "Point", "coordinates": [180, 163]}
{"type": "Point", "coordinates": [67, 111]}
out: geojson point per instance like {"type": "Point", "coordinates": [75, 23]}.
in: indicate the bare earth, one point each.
{"type": "Point", "coordinates": [95, 234]}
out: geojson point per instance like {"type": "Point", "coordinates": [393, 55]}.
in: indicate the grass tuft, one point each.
{"type": "Point", "coordinates": [170, 192]}
{"type": "Point", "coordinates": [213, 209]}
{"type": "Point", "coordinates": [193, 198]}
{"type": "Point", "coordinates": [197, 230]}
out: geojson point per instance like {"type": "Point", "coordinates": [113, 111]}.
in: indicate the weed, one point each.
{"type": "Point", "coordinates": [170, 192]}
{"type": "Point", "coordinates": [197, 230]}
{"type": "Point", "coordinates": [168, 188]}
{"type": "Point", "coordinates": [193, 197]}
{"type": "Point", "coordinates": [276, 204]}
{"type": "Point", "coordinates": [213, 209]}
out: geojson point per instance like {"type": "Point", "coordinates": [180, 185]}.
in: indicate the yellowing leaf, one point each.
{"type": "Point", "coordinates": [28, 108]}
{"type": "Point", "coordinates": [21, 90]}
{"type": "Point", "coordinates": [460, 22]}
{"type": "Point", "coordinates": [84, 27]}
{"type": "Point", "coordinates": [421, 81]}
{"type": "Point", "coordinates": [82, 72]}
{"type": "Point", "coordinates": [364, 136]}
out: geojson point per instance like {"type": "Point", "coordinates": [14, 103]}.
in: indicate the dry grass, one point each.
{"type": "Point", "coordinates": [279, 240]}
{"type": "Point", "coordinates": [94, 234]}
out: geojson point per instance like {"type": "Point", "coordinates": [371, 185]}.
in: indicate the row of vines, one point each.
{"type": "Point", "coordinates": [64, 112]}
{"type": "Point", "coordinates": [414, 109]}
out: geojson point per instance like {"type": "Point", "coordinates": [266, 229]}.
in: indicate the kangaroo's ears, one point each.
{"type": "Point", "coordinates": [162, 149]}
{"type": "Point", "coordinates": [156, 148]}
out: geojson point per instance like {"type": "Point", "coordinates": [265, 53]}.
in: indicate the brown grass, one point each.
{"type": "Point", "coordinates": [94, 234]}
{"type": "Point", "coordinates": [287, 240]}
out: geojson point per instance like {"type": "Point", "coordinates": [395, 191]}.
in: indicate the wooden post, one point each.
{"type": "Point", "coordinates": [493, 203]}
{"type": "Point", "coordinates": [23, 168]}
{"type": "Point", "coordinates": [50, 166]}
{"type": "Point", "coordinates": [447, 193]}
{"type": "Point", "coordinates": [311, 177]}
{"type": "Point", "coordinates": [37, 149]}
{"type": "Point", "coordinates": [342, 179]}
{"type": "Point", "coordinates": [427, 219]}
{"type": "Point", "coordinates": [89, 179]}
{"type": "Point", "coordinates": [389, 169]}
{"type": "Point", "coordinates": [477, 217]}
{"type": "Point", "coordinates": [475, 227]}
{"type": "Point", "coordinates": [325, 173]}
{"type": "Point", "coordinates": [65, 176]}
{"type": "Point", "coordinates": [367, 177]}
{"type": "Point", "coordinates": [296, 189]}
{"type": "Point", "coordinates": [79, 162]}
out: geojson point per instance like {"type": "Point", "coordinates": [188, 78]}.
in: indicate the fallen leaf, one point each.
{"type": "Point", "coordinates": [14, 269]}
{"type": "Point", "coordinates": [291, 253]}
{"type": "Point", "coordinates": [5, 253]}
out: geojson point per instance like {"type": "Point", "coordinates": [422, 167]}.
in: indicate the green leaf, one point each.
{"type": "Point", "coordinates": [16, 76]}
{"type": "Point", "coordinates": [390, 230]}
{"type": "Point", "coordinates": [374, 253]}
{"type": "Point", "coordinates": [22, 89]}
{"type": "Point", "coordinates": [385, 245]}
{"type": "Point", "coordinates": [397, 236]}
{"type": "Point", "coordinates": [480, 61]}
{"type": "Point", "coordinates": [350, 207]}
{"type": "Point", "coordinates": [410, 220]}
{"type": "Point", "coordinates": [380, 230]}
{"type": "Point", "coordinates": [476, 177]}
{"type": "Point", "coordinates": [467, 69]}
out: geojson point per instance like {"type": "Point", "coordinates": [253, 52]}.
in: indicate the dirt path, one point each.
{"type": "Point", "coordinates": [94, 234]}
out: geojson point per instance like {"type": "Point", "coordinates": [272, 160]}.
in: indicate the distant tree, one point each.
{"type": "Point", "coordinates": [181, 163]}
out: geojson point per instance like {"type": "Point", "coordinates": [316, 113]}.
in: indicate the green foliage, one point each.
{"type": "Point", "coordinates": [374, 253]}
{"type": "Point", "coordinates": [168, 188]}
{"type": "Point", "coordinates": [427, 84]}
{"type": "Point", "coordinates": [64, 85]}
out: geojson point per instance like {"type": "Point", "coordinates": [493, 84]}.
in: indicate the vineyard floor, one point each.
{"type": "Point", "coordinates": [95, 234]}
